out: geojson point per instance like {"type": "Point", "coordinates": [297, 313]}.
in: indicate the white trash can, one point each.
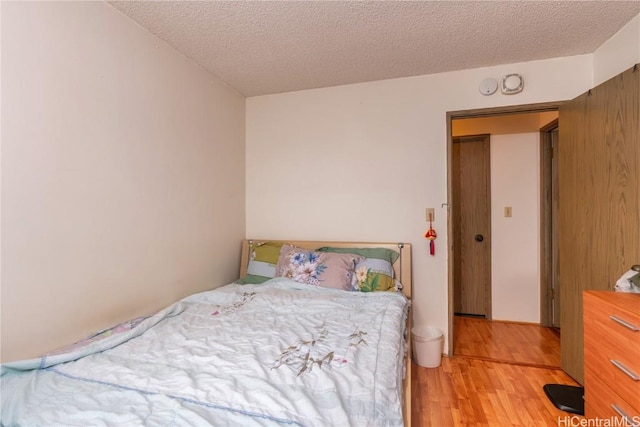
{"type": "Point", "coordinates": [428, 344]}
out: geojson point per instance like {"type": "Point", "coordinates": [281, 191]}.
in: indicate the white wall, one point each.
{"type": "Point", "coordinates": [363, 161]}
{"type": "Point", "coordinates": [515, 248]}
{"type": "Point", "coordinates": [122, 174]}
{"type": "Point", "coordinates": [618, 53]}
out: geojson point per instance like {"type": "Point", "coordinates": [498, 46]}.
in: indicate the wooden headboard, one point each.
{"type": "Point", "coordinates": [402, 266]}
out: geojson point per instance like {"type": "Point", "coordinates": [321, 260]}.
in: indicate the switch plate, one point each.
{"type": "Point", "coordinates": [507, 212]}
{"type": "Point", "coordinates": [430, 214]}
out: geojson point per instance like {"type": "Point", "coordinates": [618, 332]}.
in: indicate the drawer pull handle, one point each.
{"type": "Point", "coordinates": [624, 323]}
{"type": "Point", "coordinates": [626, 370]}
{"type": "Point", "coordinates": [627, 419]}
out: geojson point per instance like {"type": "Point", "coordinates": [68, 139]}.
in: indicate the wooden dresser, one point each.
{"type": "Point", "coordinates": [612, 355]}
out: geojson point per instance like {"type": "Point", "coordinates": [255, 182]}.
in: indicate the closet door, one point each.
{"type": "Point", "coordinates": [572, 125]}
{"type": "Point", "coordinates": [599, 200]}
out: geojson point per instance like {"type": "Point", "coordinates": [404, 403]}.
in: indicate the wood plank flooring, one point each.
{"type": "Point", "coordinates": [518, 343]}
{"type": "Point", "coordinates": [472, 390]}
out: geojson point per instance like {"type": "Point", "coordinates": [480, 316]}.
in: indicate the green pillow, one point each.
{"type": "Point", "coordinates": [375, 272]}
{"type": "Point", "coordinates": [263, 258]}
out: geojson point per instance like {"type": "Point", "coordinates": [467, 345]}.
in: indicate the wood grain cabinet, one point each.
{"type": "Point", "coordinates": [612, 356]}
{"type": "Point", "coordinates": [599, 196]}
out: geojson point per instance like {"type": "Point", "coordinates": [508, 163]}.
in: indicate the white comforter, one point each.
{"type": "Point", "coordinates": [276, 353]}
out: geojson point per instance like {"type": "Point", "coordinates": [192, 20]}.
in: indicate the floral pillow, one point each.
{"type": "Point", "coordinates": [328, 270]}
{"type": "Point", "coordinates": [375, 271]}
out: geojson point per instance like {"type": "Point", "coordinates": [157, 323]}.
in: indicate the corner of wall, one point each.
{"type": "Point", "coordinates": [618, 53]}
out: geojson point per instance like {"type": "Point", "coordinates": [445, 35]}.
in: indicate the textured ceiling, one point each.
{"type": "Point", "coordinates": [262, 47]}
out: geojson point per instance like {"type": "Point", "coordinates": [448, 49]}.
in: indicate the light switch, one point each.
{"type": "Point", "coordinates": [507, 212]}
{"type": "Point", "coordinates": [431, 214]}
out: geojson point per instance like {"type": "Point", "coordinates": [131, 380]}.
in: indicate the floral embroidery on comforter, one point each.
{"type": "Point", "coordinates": [320, 350]}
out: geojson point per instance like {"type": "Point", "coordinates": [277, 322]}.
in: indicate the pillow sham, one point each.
{"type": "Point", "coordinates": [262, 262]}
{"type": "Point", "coordinates": [324, 269]}
{"type": "Point", "coordinates": [375, 271]}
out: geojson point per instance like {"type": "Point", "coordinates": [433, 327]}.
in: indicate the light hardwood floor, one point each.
{"type": "Point", "coordinates": [518, 343]}
{"type": "Point", "coordinates": [470, 390]}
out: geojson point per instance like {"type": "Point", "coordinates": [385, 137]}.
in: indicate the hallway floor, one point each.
{"type": "Point", "coordinates": [508, 342]}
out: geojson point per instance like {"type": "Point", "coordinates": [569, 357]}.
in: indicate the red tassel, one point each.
{"type": "Point", "coordinates": [431, 235]}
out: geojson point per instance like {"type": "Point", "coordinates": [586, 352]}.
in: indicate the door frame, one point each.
{"type": "Point", "coordinates": [547, 234]}
{"type": "Point", "coordinates": [466, 114]}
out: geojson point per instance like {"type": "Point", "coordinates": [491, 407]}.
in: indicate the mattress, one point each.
{"type": "Point", "coordinates": [270, 354]}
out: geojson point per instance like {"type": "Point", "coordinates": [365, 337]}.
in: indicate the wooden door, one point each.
{"type": "Point", "coordinates": [471, 208]}
{"type": "Point", "coordinates": [599, 195]}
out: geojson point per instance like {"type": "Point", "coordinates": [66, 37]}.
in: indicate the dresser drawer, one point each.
{"type": "Point", "coordinates": [611, 329]}
{"type": "Point", "coordinates": [603, 403]}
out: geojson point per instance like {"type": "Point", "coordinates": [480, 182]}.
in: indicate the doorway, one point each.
{"type": "Point", "coordinates": [455, 254]}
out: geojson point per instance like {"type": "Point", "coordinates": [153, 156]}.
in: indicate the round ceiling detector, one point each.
{"type": "Point", "coordinates": [488, 86]}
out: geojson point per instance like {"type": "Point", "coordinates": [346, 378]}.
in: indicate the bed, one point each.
{"type": "Point", "coordinates": [255, 352]}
